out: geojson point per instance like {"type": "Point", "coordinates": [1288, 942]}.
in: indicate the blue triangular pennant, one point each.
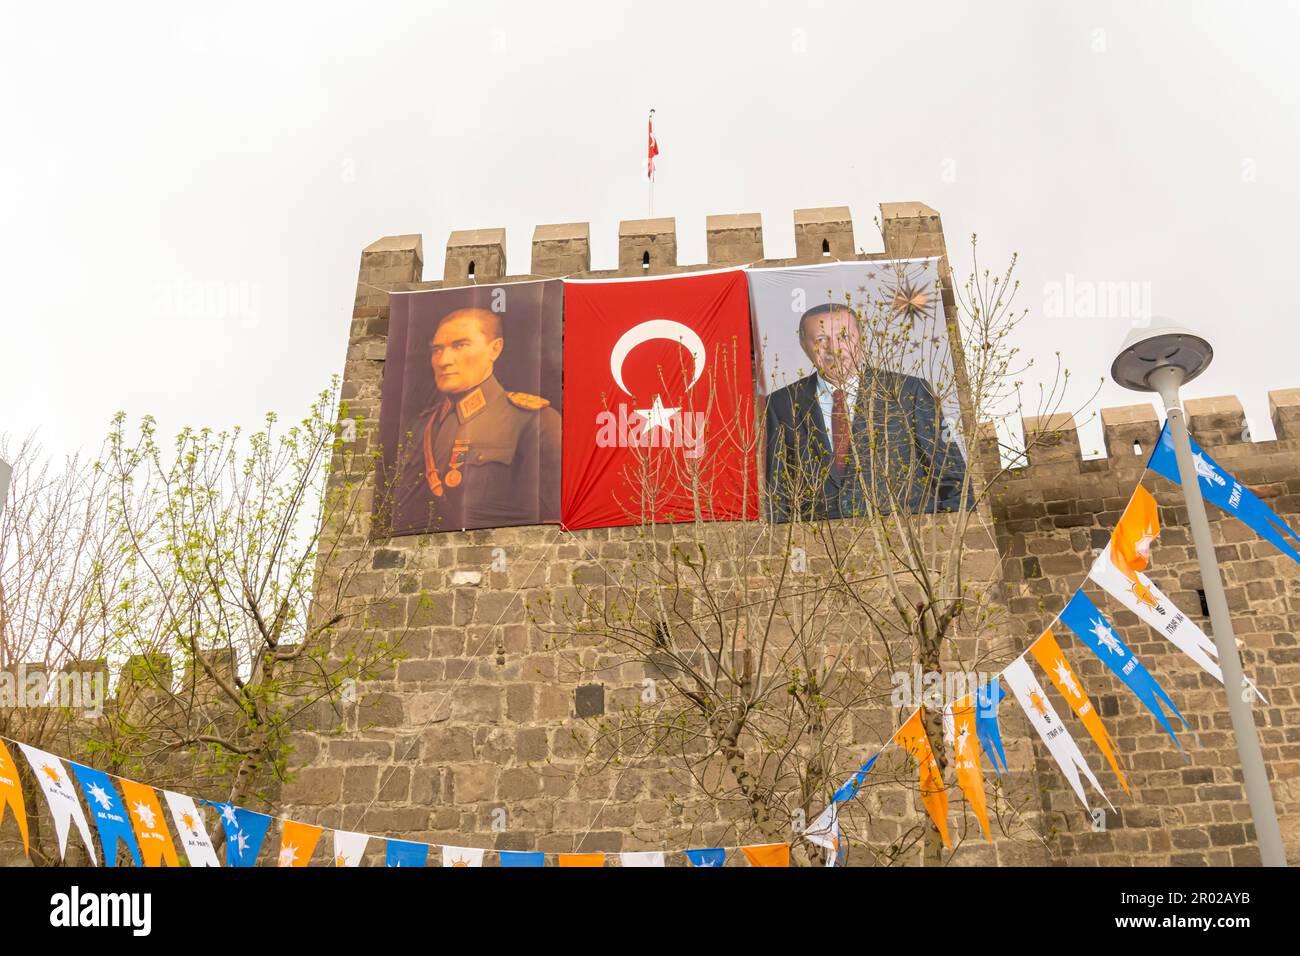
{"type": "Point", "coordinates": [850, 788]}
{"type": "Point", "coordinates": [245, 831]}
{"type": "Point", "coordinates": [1088, 623]}
{"type": "Point", "coordinates": [1221, 488]}
{"type": "Point", "coordinates": [714, 856]}
{"type": "Point", "coordinates": [110, 814]}
{"type": "Point", "coordinates": [522, 858]}
{"type": "Point", "coordinates": [986, 722]}
{"type": "Point", "coordinates": [403, 853]}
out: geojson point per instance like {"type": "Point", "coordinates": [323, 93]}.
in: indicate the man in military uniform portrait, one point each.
{"type": "Point", "coordinates": [479, 456]}
{"type": "Point", "coordinates": [850, 438]}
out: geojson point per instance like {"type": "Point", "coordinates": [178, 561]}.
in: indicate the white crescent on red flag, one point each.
{"type": "Point", "coordinates": [658, 401]}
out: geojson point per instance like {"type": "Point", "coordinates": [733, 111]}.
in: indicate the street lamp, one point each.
{"type": "Point", "coordinates": [1161, 359]}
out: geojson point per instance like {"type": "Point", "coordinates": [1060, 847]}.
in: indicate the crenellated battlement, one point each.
{"type": "Point", "coordinates": [1217, 424]}
{"type": "Point", "coordinates": [649, 246]}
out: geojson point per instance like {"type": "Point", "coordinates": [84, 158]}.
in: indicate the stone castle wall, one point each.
{"type": "Point", "coordinates": [480, 717]}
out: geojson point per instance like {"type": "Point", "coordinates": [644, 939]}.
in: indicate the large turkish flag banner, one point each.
{"type": "Point", "coordinates": [658, 401]}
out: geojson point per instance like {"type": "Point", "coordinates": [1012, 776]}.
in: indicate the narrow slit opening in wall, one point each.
{"type": "Point", "coordinates": [1205, 607]}
{"type": "Point", "coordinates": [645, 261]}
{"type": "Point", "coordinates": [1137, 448]}
{"type": "Point", "coordinates": [470, 274]}
{"type": "Point", "coordinates": [826, 247]}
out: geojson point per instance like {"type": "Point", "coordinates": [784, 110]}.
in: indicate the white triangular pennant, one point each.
{"type": "Point", "coordinates": [349, 847]}
{"type": "Point", "coordinates": [190, 827]}
{"type": "Point", "coordinates": [642, 858]}
{"type": "Point", "coordinates": [1033, 701]}
{"type": "Point", "coordinates": [64, 806]}
{"type": "Point", "coordinates": [825, 831]}
{"type": "Point", "coordinates": [821, 831]}
{"type": "Point", "coordinates": [462, 856]}
{"type": "Point", "coordinates": [1145, 600]}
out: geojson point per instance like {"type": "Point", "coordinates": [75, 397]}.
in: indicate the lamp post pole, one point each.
{"type": "Point", "coordinates": [5, 472]}
{"type": "Point", "coordinates": [1166, 380]}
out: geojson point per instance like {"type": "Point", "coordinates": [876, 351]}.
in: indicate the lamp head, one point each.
{"type": "Point", "coordinates": [1163, 345]}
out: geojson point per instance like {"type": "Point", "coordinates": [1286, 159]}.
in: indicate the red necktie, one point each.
{"type": "Point", "coordinates": [840, 436]}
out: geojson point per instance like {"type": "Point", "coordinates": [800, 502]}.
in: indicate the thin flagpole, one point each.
{"type": "Point", "coordinates": [652, 147]}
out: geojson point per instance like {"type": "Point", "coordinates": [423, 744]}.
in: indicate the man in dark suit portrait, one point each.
{"type": "Point", "coordinates": [479, 456]}
{"type": "Point", "coordinates": [849, 438]}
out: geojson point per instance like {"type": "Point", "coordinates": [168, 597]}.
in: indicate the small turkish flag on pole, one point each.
{"type": "Point", "coordinates": [652, 150]}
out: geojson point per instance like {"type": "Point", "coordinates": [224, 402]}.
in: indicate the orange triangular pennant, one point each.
{"type": "Point", "coordinates": [1130, 544]}
{"type": "Point", "coordinates": [768, 854]}
{"type": "Point", "coordinates": [1050, 658]}
{"type": "Point", "coordinates": [148, 822]}
{"type": "Point", "coordinates": [297, 842]}
{"type": "Point", "coordinates": [966, 760]}
{"type": "Point", "coordinates": [11, 794]}
{"type": "Point", "coordinates": [934, 795]}
{"type": "Point", "coordinates": [582, 859]}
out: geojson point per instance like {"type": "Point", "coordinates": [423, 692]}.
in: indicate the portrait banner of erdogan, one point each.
{"type": "Point", "coordinates": [658, 401]}
{"type": "Point", "coordinates": [860, 401]}
{"type": "Point", "coordinates": [470, 410]}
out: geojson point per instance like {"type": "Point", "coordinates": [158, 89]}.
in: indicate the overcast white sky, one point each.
{"type": "Point", "coordinates": [247, 153]}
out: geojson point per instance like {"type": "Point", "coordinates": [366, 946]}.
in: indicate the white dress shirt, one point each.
{"type": "Point", "coordinates": [826, 400]}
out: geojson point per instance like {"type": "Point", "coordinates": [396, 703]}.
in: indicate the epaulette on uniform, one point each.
{"type": "Point", "coordinates": [524, 400]}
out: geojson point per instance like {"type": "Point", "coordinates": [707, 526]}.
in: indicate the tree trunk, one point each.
{"type": "Point", "coordinates": [932, 720]}
{"type": "Point", "coordinates": [728, 736]}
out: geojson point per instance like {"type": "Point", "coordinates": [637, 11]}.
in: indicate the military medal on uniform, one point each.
{"type": "Point", "coordinates": [456, 462]}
